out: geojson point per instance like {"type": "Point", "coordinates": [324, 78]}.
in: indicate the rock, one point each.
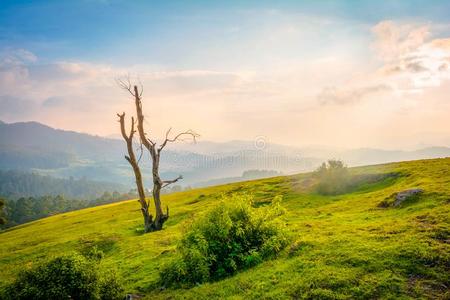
{"type": "Point", "coordinates": [400, 197]}
{"type": "Point", "coordinates": [133, 296]}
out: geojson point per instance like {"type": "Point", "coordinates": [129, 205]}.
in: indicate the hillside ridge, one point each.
{"type": "Point", "coordinates": [342, 246]}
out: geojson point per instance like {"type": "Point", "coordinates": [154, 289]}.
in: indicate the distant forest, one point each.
{"type": "Point", "coordinates": [16, 184]}
{"type": "Point", "coordinates": [30, 196]}
{"type": "Point", "coordinates": [26, 209]}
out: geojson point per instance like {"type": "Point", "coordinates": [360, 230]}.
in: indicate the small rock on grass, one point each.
{"type": "Point", "coordinates": [400, 197]}
{"type": "Point", "coordinates": [396, 199]}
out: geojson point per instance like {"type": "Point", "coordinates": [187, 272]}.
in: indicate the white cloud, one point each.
{"type": "Point", "coordinates": [395, 40]}
{"type": "Point", "coordinates": [333, 95]}
{"type": "Point", "coordinates": [413, 60]}
{"type": "Point", "coordinates": [288, 98]}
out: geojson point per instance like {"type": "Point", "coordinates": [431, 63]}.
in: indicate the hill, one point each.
{"type": "Point", "coordinates": [31, 146]}
{"type": "Point", "coordinates": [343, 246]}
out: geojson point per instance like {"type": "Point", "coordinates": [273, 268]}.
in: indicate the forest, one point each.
{"type": "Point", "coordinates": [15, 184]}
{"type": "Point", "coordinates": [27, 209]}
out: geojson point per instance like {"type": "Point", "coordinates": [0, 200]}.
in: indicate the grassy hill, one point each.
{"type": "Point", "coordinates": [343, 246]}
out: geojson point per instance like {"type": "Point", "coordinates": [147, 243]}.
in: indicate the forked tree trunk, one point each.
{"type": "Point", "coordinates": [150, 223]}
{"type": "Point", "coordinates": [131, 158]}
{"type": "Point", "coordinates": [160, 217]}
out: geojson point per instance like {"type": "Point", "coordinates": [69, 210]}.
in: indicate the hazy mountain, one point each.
{"type": "Point", "coordinates": [37, 147]}
{"type": "Point", "coordinates": [40, 148]}
{"type": "Point", "coordinates": [39, 137]}
{"type": "Point", "coordinates": [365, 156]}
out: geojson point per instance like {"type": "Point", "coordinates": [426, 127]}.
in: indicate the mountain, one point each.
{"type": "Point", "coordinates": [365, 156]}
{"type": "Point", "coordinates": [340, 247]}
{"type": "Point", "coordinates": [34, 135]}
{"type": "Point", "coordinates": [31, 146]}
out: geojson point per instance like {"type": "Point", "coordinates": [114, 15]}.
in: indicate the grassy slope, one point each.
{"type": "Point", "coordinates": [343, 246]}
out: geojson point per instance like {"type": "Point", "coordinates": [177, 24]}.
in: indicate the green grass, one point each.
{"type": "Point", "coordinates": [343, 247]}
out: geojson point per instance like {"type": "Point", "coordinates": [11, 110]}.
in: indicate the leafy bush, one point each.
{"type": "Point", "coordinates": [232, 236]}
{"type": "Point", "coordinates": [333, 178]}
{"type": "Point", "coordinates": [66, 277]}
{"type": "Point", "coordinates": [110, 287]}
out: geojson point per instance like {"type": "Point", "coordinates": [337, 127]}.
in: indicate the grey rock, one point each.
{"type": "Point", "coordinates": [133, 296]}
{"type": "Point", "coordinates": [400, 197]}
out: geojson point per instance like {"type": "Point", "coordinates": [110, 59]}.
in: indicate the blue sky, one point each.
{"type": "Point", "coordinates": [243, 66]}
{"type": "Point", "coordinates": [162, 31]}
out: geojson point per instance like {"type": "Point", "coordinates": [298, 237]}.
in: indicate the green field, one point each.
{"type": "Point", "coordinates": [342, 247]}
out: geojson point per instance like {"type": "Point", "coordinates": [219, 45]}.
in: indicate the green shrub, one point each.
{"type": "Point", "coordinates": [110, 287]}
{"type": "Point", "coordinates": [232, 236]}
{"type": "Point", "coordinates": [66, 277]}
{"type": "Point", "coordinates": [333, 178]}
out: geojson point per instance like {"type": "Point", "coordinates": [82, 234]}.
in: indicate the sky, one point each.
{"type": "Point", "coordinates": [335, 73]}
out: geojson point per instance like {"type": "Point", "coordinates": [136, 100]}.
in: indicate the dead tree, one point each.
{"type": "Point", "coordinates": [150, 223]}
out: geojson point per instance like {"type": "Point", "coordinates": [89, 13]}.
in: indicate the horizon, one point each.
{"type": "Point", "coordinates": [295, 73]}
{"type": "Point", "coordinates": [183, 146]}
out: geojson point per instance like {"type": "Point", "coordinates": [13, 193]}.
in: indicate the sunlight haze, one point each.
{"type": "Point", "coordinates": [345, 74]}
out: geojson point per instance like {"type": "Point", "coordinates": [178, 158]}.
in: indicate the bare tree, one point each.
{"type": "Point", "coordinates": [151, 223]}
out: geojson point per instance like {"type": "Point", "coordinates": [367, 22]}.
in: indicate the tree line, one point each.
{"type": "Point", "coordinates": [15, 184]}
{"type": "Point", "coordinates": [27, 209]}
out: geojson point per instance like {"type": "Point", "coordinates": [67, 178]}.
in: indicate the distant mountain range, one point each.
{"type": "Point", "coordinates": [32, 146]}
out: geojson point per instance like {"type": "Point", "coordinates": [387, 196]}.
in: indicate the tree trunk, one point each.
{"type": "Point", "coordinates": [149, 223]}
{"type": "Point", "coordinates": [160, 217]}
{"type": "Point", "coordinates": [131, 158]}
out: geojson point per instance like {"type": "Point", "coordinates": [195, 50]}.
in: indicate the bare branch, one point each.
{"type": "Point", "coordinates": [148, 143]}
{"type": "Point", "coordinates": [168, 182]}
{"type": "Point", "coordinates": [122, 126]}
{"type": "Point", "coordinates": [142, 87]}
{"type": "Point", "coordinates": [142, 152]}
{"type": "Point", "coordinates": [132, 131]}
{"type": "Point", "coordinates": [179, 137]}
{"type": "Point", "coordinates": [125, 84]}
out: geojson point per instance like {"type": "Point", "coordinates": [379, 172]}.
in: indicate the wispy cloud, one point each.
{"type": "Point", "coordinates": [333, 95]}
{"type": "Point", "coordinates": [292, 80]}
{"type": "Point", "coordinates": [411, 61]}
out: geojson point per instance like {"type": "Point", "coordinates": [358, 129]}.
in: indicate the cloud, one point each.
{"type": "Point", "coordinates": [187, 82]}
{"type": "Point", "coordinates": [12, 106]}
{"type": "Point", "coordinates": [307, 92]}
{"type": "Point", "coordinates": [394, 40]}
{"type": "Point", "coordinates": [333, 95]}
{"type": "Point", "coordinates": [412, 59]}
{"type": "Point", "coordinates": [80, 93]}
{"type": "Point", "coordinates": [54, 102]}
{"type": "Point", "coordinates": [14, 57]}
{"type": "Point", "coordinates": [416, 67]}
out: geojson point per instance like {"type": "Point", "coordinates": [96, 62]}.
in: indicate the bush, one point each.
{"type": "Point", "coordinates": [67, 277]}
{"type": "Point", "coordinates": [333, 178]}
{"type": "Point", "coordinates": [232, 236]}
{"type": "Point", "coordinates": [110, 287]}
